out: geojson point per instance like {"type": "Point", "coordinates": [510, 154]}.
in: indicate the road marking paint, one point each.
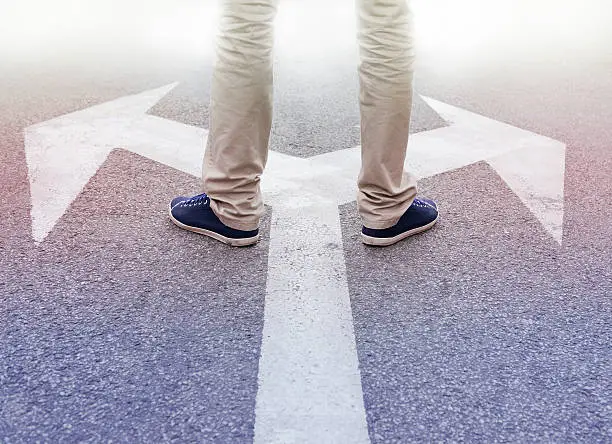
{"type": "Point", "coordinates": [65, 152]}
{"type": "Point", "coordinates": [309, 381]}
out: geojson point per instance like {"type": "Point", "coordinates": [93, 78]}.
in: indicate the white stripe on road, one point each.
{"type": "Point", "coordinates": [309, 381]}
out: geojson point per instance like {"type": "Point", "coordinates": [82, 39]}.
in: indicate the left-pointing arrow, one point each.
{"type": "Point", "coordinates": [62, 154]}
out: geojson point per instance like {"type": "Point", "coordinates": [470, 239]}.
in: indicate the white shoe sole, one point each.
{"type": "Point", "coordinates": [240, 242]}
{"type": "Point", "coordinates": [386, 241]}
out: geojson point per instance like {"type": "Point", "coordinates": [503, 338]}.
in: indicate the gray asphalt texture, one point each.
{"type": "Point", "coordinates": [121, 327]}
{"type": "Point", "coordinates": [483, 329]}
{"type": "Point", "coordinates": [124, 328]}
{"type": "Point", "coordinates": [309, 118]}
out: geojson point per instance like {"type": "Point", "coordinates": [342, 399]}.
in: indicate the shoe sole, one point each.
{"type": "Point", "coordinates": [386, 241]}
{"type": "Point", "coordinates": [240, 242]}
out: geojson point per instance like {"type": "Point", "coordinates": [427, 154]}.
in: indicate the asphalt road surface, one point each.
{"type": "Point", "coordinates": [116, 326]}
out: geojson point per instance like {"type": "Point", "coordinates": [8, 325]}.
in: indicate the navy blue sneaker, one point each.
{"type": "Point", "coordinates": [420, 216]}
{"type": "Point", "coordinates": [194, 214]}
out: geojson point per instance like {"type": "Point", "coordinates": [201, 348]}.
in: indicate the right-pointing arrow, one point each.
{"type": "Point", "coordinates": [532, 165]}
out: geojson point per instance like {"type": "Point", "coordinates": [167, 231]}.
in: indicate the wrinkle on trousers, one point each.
{"type": "Point", "coordinates": [241, 111]}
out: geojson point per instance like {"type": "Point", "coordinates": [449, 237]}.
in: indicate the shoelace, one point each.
{"type": "Point", "coordinates": [422, 204]}
{"type": "Point", "coordinates": [200, 199]}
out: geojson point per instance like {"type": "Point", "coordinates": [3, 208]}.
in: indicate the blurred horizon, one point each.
{"type": "Point", "coordinates": [457, 31]}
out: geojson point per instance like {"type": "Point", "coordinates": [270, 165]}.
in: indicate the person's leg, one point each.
{"type": "Point", "coordinates": [385, 38]}
{"type": "Point", "coordinates": [240, 112]}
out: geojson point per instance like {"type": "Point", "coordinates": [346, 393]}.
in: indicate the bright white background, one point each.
{"type": "Point", "coordinates": [444, 28]}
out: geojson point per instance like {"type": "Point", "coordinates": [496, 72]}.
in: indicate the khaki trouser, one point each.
{"type": "Point", "coordinates": [241, 111]}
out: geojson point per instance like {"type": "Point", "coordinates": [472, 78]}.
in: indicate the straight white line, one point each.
{"type": "Point", "coordinates": [309, 380]}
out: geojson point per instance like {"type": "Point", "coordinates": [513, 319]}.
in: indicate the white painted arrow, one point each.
{"type": "Point", "coordinates": [309, 380]}
{"type": "Point", "coordinates": [64, 153]}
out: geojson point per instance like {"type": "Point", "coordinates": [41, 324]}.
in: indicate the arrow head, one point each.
{"type": "Point", "coordinates": [62, 154]}
{"type": "Point", "coordinates": [532, 165]}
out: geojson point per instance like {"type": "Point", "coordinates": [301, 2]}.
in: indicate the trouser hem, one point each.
{"type": "Point", "coordinates": [380, 224]}
{"type": "Point", "coordinates": [243, 225]}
